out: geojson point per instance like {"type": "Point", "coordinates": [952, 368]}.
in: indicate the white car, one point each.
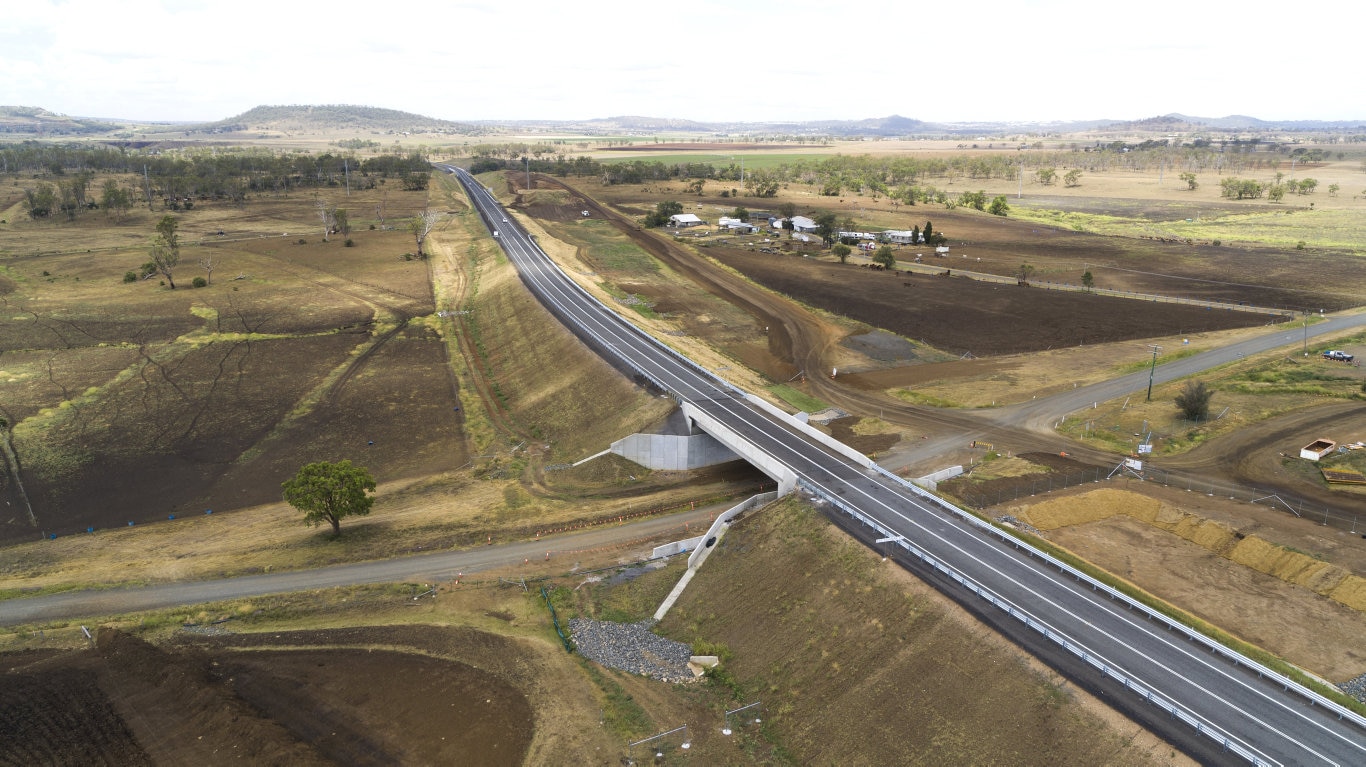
{"type": "Point", "coordinates": [495, 232]}
{"type": "Point", "coordinates": [505, 219]}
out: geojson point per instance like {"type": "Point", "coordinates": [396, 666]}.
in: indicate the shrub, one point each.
{"type": "Point", "coordinates": [1299, 245]}
{"type": "Point", "coordinates": [372, 227]}
{"type": "Point", "coordinates": [130, 276]}
{"type": "Point", "coordinates": [302, 241]}
{"type": "Point", "coordinates": [1193, 401]}
{"type": "Point", "coordinates": [199, 282]}
{"type": "Point", "coordinates": [349, 243]}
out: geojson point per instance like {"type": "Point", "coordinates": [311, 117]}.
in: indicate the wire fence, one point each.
{"type": "Point", "coordinates": [1348, 519]}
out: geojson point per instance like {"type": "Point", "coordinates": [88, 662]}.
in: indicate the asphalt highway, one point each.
{"type": "Point", "coordinates": [1252, 716]}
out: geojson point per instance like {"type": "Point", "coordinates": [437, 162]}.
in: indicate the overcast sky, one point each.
{"type": "Point", "coordinates": [749, 60]}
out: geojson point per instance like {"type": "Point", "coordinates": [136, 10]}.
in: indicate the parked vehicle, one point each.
{"type": "Point", "coordinates": [1337, 355]}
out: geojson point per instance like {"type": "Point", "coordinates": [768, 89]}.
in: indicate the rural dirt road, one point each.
{"type": "Point", "coordinates": [632, 541]}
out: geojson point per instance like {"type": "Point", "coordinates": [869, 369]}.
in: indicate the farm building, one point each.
{"type": "Point", "coordinates": [685, 219]}
{"type": "Point", "coordinates": [799, 224]}
{"type": "Point", "coordinates": [904, 237]}
{"type": "Point", "coordinates": [736, 225]}
{"type": "Point", "coordinates": [1317, 449]}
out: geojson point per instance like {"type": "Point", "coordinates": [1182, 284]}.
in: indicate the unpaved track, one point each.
{"type": "Point", "coordinates": [564, 552]}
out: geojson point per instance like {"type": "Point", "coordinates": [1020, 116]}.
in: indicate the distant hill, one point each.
{"type": "Point", "coordinates": [1177, 121]}
{"type": "Point", "coordinates": [324, 117]}
{"type": "Point", "coordinates": [41, 122]}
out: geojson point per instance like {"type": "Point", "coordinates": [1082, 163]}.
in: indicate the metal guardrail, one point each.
{"type": "Point", "coordinates": [1063, 640]}
{"type": "Point", "coordinates": [1213, 645]}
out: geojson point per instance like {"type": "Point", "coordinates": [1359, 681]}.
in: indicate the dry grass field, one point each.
{"type": "Point", "coordinates": [131, 402]}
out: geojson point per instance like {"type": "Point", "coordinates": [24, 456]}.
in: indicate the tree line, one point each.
{"type": "Point", "coordinates": [905, 179]}
{"type": "Point", "coordinates": [179, 178]}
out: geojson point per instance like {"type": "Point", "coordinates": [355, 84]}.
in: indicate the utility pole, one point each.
{"type": "Point", "coordinates": [1306, 332]}
{"type": "Point", "coordinates": [1152, 370]}
{"type": "Point", "coordinates": [528, 172]}
{"type": "Point", "coordinates": [346, 171]}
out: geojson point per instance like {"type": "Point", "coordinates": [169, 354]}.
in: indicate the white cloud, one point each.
{"type": "Point", "coordinates": [761, 60]}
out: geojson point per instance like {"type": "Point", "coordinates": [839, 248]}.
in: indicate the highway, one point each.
{"type": "Point", "coordinates": [1239, 711]}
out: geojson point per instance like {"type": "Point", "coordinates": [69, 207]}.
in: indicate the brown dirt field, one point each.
{"type": "Point", "coordinates": [129, 702]}
{"type": "Point", "coordinates": [965, 316]}
{"type": "Point", "coordinates": [1213, 558]}
{"type": "Point", "coordinates": [1258, 275]}
{"type": "Point", "coordinates": [691, 147]}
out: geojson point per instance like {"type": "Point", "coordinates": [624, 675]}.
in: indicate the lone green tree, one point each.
{"type": "Point", "coordinates": [827, 225]}
{"type": "Point", "coordinates": [165, 249]}
{"type": "Point", "coordinates": [662, 212]}
{"type": "Point", "coordinates": [884, 256]}
{"type": "Point", "coordinates": [327, 492]}
{"type": "Point", "coordinates": [999, 206]}
{"type": "Point", "coordinates": [1087, 281]}
{"type": "Point", "coordinates": [841, 252]}
{"type": "Point", "coordinates": [1191, 183]}
{"type": "Point", "coordinates": [1193, 401]}
{"type": "Point", "coordinates": [1023, 273]}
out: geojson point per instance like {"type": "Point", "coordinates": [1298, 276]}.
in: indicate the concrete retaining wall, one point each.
{"type": "Point", "coordinates": [722, 520]}
{"type": "Point", "coordinates": [670, 452]}
{"type": "Point", "coordinates": [677, 547]}
{"type": "Point", "coordinates": [931, 481]}
{"type": "Point", "coordinates": [701, 550]}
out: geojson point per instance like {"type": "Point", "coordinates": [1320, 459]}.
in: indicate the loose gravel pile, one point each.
{"type": "Point", "coordinates": [631, 647]}
{"type": "Point", "coordinates": [1355, 687]}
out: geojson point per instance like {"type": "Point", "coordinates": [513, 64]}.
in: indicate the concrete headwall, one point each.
{"type": "Point", "coordinates": [671, 452]}
{"type": "Point", "coordinates": [677, 547]}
